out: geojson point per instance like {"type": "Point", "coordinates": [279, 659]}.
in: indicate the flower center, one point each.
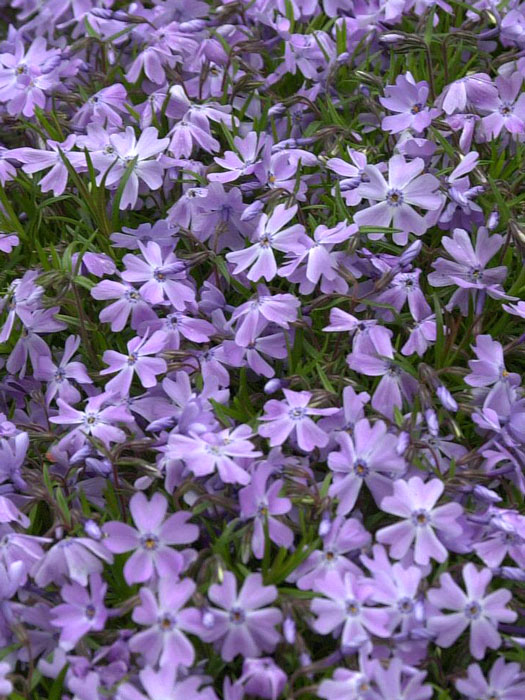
{"type": "Point", "coordinates": [158, 275]}
{"type": "Point", "coordinates": [405, 606]}
{"type": "Point", "coordinates": [60, 374]}
{"type": "Point", "coordinates": [297, 413]}
{"type": "Point", "coordinates": [265, 241]}
{"type": "Point", "coordinates": [475, 274]}
{"type": "Point", "coordinates": [360, 468]}
{"type": "Point", "coordinates": [417, 108]}
{"type": "Point", "coordinates": [420, 517]}
{"type": "Point", "coordinates": [506, 109]}
{"type": "Point", "coordinates": [132, 296]}
{"type": "Point", "coordinates": [237, 616]}
{"type": "Point", "coordinates": [132, 358]}
{"type": "Point", "coordinates": [149, 541]}
{"type": "Point", "coordinates": [352, 608]}
{"type": "Point", "coordinates": [91, 419]}
{"type": "Point", "coordinates": [472, 610]}
{"type": "Point", "coordinates": [394, 198]}
{"type": "Point", "coordinates": [166, 622]}
{"type": "Point", "coordinates": [90, 611]}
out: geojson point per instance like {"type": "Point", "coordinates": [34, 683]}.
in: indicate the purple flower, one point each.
{"type": "Point", "coordinates": [136, 361]}
{"type": "Point", "coordinates": [253, 316]}
{"type": "Point", "coordinates": [396, 587]}
{"type": "Point", "coordinates": [473, 609]}
{"type": "Point", "coordinates": [35, 160]}
{"type": "Point", "coordinates": [162, 274]}
{"type": "Point", "coordinates": [58, 376]}
{"type": "Point", "coordinates": [73, 558]}
{"type": "Point", "coordinates": [346, 684]}
{"type": "Point", "coordinates": [206, 452]}
{"type": "Point", "coordinates": [348, 610]}
{"type": "Point", "coordinates": [505, 682]}
{"type": "Point", "coordinates": [467, 269]}
{"type": "Point", "coordinates": [389, 682]}
{"type": "Point", "coordinates": [95, 420]}
{"type": "Point", "coordinates": [129, 301]}
{"type": "Point", "coordinates": [505, 110]}
{"type": "Point", "coordinates": [269, 235]}
{"type": "Point", "coordinates": [262, 502]}
{"type": "Point", "coordinates": [8, 241]}
{"type": "Point", "coordinates": [489, 368]}
{"type": "Point", "coordinates": [263, 678]}
{"type": "Point", "coordinates": [167, 620]}
{"type": "Point", "coordinates": [345, 536]}
{"type": "Point", "coordinates": [127, 153]}
{"type": "Point", "coordinates": [162, 684]}
{"type": "Point", "coordinates": [104, 105]}
{"type": "Point", "coordinates": [406, 187]}
{"type": "Point", "coordinates": [362, 458]}
{"type": "Point", "coordinates": [415, 501]}
{"type": "Point", "coordinates": [243, 162]}
{"type": "Point", "coordinates": [292, 416]}
{"type": "Point", "coordinates": [81, 612]}
{"type": "Point", "coordinates": [242, 623]}
{"type": "Point", "coordinates": [374, 356]}
{"type": "Point", "coordinates": [151, 541]}
{"type": "Point", "coordinates": [409, 100]}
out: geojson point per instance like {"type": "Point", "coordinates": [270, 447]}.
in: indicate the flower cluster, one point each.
{"type": "Point", "coordinates": [262, 411]}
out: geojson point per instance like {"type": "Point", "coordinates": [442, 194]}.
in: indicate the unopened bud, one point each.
{"type": "Point", "coordinates": [289, 630]}
{"type": "Point", "coordinates": [92, 530]}
{"type": "Point", "coordinates": [432, 421]}
{"type": "Point", "coordinates": [485, 494]}
{"type": "Point", "coordinates": [493, 220]}
{"type": "Point", "coordinates": [446, 398]}
{"type": "Point", "coordinates": [512, 573]}
{"type": "Point", "coordinates": [273, 385]}
{"type": "Point", "coordinates": [324, 525]}
{"type": "Point", "coordinates": [252, 211]}
{"type": "Point", "coordinates": [403, 442]}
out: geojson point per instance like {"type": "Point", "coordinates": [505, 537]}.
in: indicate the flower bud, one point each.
{"type": "Point", "coordinates": [485, 494]}
{"type": "Point", "coordinates": [493, 220]}
{"type": "Point", "coordinates": [92, 530]}
{"type": "Point", "coordinates": [324, 525]}
{"type": "Point", "coordinates": [446, 398]}
{"type": "Point", "coordinates": [403, 442]}
{"type": "Point", "coordinates": [252, 211]}
{"type": "Point", "coordinates": [289, 630]}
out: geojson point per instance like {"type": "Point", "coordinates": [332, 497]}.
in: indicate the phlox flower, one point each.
{"type": "Point", "coordinates": [415, 502]}
{"type": "Point", "coordinates": [163, 684]}
{"type": "Point", "coordinates": [81, 612]}
{"type": "Point", "coordinates": [292, 416]}
{"type": "Point", "coordinates": [137, 360]}
{"type": "Point", "coordinates": [363, 457]}
{"type": "Point", "coordinates": [206, 452]}
{"type": "Point", "coordinates": [262, 502]}
{"type": "Point", "coordinates": [162, 276]}
{"type": "Point", "coordinates": [394, 199]}
{"type": "Point", "coordinates": [269, 235]}
{"type": "Point", "coordinates": [242, 623]}
{"type": "Point", "coordinates": [167, 619]}
{"type": "Point", "coordinates": [348, 609]}
{"type": "Point", "coordinates": [505, 682]}
{"type": "Point", "coordinates": [152, 539]}
{"type": "Point", "coordinates": [474, 609]}
{"type": "Point", "coordinates": [139, 155]}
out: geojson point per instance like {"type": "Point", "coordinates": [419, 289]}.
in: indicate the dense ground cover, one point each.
{"type": "Point", "coordinates": [262, 426]}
